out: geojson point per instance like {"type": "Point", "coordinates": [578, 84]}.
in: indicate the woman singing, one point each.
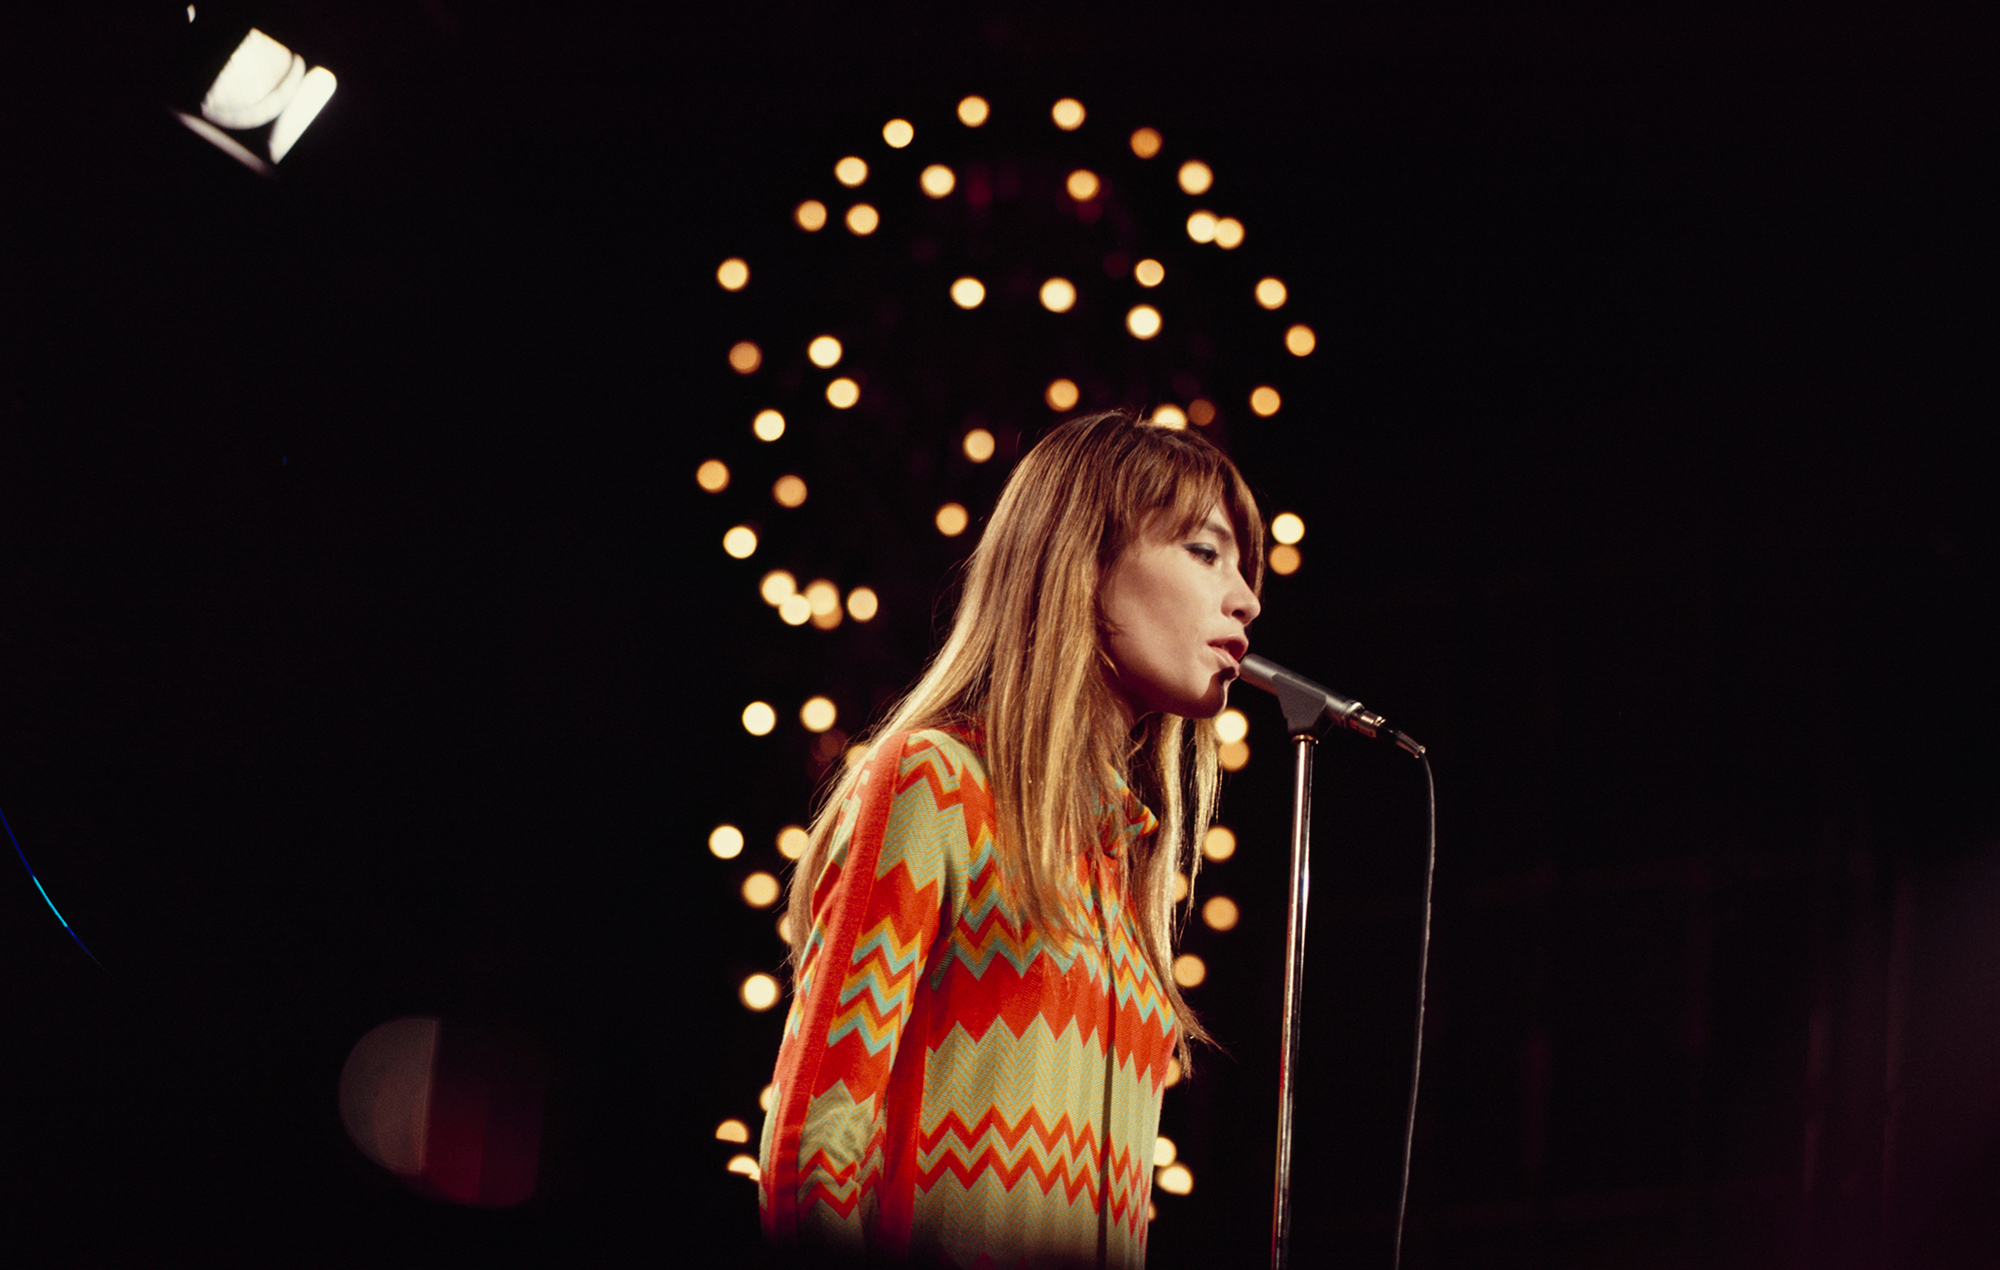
{"type": "Point", "coordinates": [983, 1011]}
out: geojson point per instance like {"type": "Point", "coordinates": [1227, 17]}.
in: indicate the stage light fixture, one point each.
{"type": "Point", "coordinates": [1143, 321]}
{"type": "Point", "coordinates": [1271, 293]}
{"type": "Point", "coordinates": [1300, 340]}
{"type": "Point", "coordinates": [1146, 142]}
{"type": "Point", "coordinates": [1219, 843]}
{"type": "Point", "coordinates": [789, 491]}
{"type": "Point", "coordinates": [1229, 233]}
{"type": "Point", "coordinates": [810, 215]}
{"type": "Point", "coordinates": [1285, 560]}
{"type": "Point", "coordinates": [968, 293]}
{"type": "Point", "coordinates": [978, 445]}
{"type": "Point", "coordinates": [713, 476]}
{"type": "Point", "coordinates": [1201, 227]}
{"type": "Point", "coordinates": [898, 133]}
{"type": "Point", "coordinates": [1082, 185]}
{"type": "Point", "coordinates": [769, 425]}
{"type": "Point", "coordinates": [823, 352]}
{"type": "Point", "coordinates": [725, 842]}
{"type": "Point", "coordinates": [973, 111]}
{"type": "Point", "coordinates": [758, 720]}
{"type": "Point", "coordinates": [1068, 114]}
{"type": "Point", "coordinates": [952, 520]}
{"type": "Point", "coordinates": [862, 604]}
{"type": "Point", "coordinates": [1061, 394]}
{"type": "Point", "coordinates": [862, 220]}
{"type": "Point", "coordinates": [1264, 401]}
{"type": "Point", "coordinates": [937, 180]}
{"type": "Point", "coordinates": [740, 542]}
{"type": "Point", "coordinates": [1058, 295]}
{"type": "Point", "coordinates": [1196, 177]}
{"type": "Point", "coordinates": [263, 85]}
{"type": "Point", "coordinates": [1287, 527]}
{"type": "Point", "coordinates": [851, 171]}
{"type": "Point", "coordinates": [842, 393]}
{"type": "Point", "coordinates": [733, 274]}
{"type": "Point", "coordinates": [745, 357]}
{"type": "Point", "coordinates": [1149, 273]}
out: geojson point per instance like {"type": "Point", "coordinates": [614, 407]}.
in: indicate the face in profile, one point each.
{"type": "Point", "coordinates": [1176, 612]}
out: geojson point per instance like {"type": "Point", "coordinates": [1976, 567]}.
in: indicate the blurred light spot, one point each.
{"type": "Point", "coordinates": [1229, 233]}
{"type": "Point", "coordinates": [1233, 755]}
{"type": "Point", "coordinates": [385, 1093]}
{"type": "Point", "coordinates": [1152, 1211]}
{"type": "Point", "coordinates": [1082, 185]}
{"type": "Point", "coordinates": [1300, 340]}
{"type": "Point", "coordinates": [1058, 295]}
{"type": "Point", "coordinates": [937, 180]}
{"type": "Point", "coordinates": [1230, 725]}
{"type": "Point", "coordinates": [1264, 401]}
{"type": "Point", "coordinates": [760, 890]}
{"type": "Point", "coordinates": [810, 216]}
{"type": "Point", "coordinates": [842, 393]}
{"type": "Point", "coordinates": [817, 714]}
{"type": "Point", "coordinates": [972, 111]}
{"type": "Point", "coordinates": [1180, 887]}
{"type": "Point", "coordinates": [850, 171]}
{"type": "Point", "coordinates": [1221, 913]}
{"type": "Point", "coordinates": [769, 425]}
{"type": "Point", "coordinates": [725, 842]}
{"type": "Point", "coordinates": [713, 476]}
{"type": "Point", "coordinates": [314, 92]}
{"type": "Point", "coordinates": [759, 718]}
{"type": "Point", "coordinates": [952, 520]}
{"type": "Point", "coordinates": [760, 992]}
{"type": "Point", "coordinates": [1196, 177]}
{"type": "Point", "coordinates": [789, 491]}
{"type": "Point", "coordinates": [1287, 527]}
{"type": "Point", "coordinates": [735, 1131]}
{"type": "Point", "coordinates": [1285, 560]}
{"type": "Point", "coordinates": [1068, 114]}
{"type": "Point", "coordinates": [1189, 970]}
{"type": "Point", "coordinates": [898, 133]}
{"type": "Point", "coordinates": [1175, 1179]}
{"type": "Point", "coordinates": [793, 841]}
{"type": "Point", "coordinates": [1061, 394]}
{"type": "Point", "coordinates": [1164, 1151]}
{"type": "Point", "coordinates": [740, 542]}
{"type": "Point", "coordinates": [967, 293]}
{"type": "Point", "coordinates": [745, 357]}
{"type": "Point", "coordinates": [742, 1163]}
{"type": "Point", "coordinates": [855, 755]}
{"type": "Point", "coordinates": [1270, 293]}
{"type": "Point", "coordinates": [824, 351]}
{"type": "Point", "coordinates": [862, 605]}
{"type": "Point", "coordinates": [777, 587]}
{"type": "Point", "coordinates": [1146, 142]}
{"type": "Point", "coordinates": [1201, 227]}
{"type": "Point", "coordinates": [1201, 412]}
{"type": "Point", "coordinates": [764, 1096]}
{"type": "Point", "coordinates": [862, 219]}
{"type": "Point", "coordinates": [785, 928]}
{"type": "Point", "coordinates": [1173, 1072]}
{"type": "Point", "coordinates": [1218, 843]}
{"type": "Point", "coordinates": [190, 13]}
{"type": "Point", "coordinates": [1169, 416]}
{"type": "Point", "coordinates": [795, 610]}
{"type": "Point", "coordinates": [733, 274]}
{"type": "Point", "coordinates": [1143, 321]}
{"type": "Point", "coordinates": [255, 85]}
{"type": "Point", "coordinates": [1149, 273]}
{"type": "Point", "coordinates": [828, 620]}
{"type": "Point", "coordinates": [979, 445]}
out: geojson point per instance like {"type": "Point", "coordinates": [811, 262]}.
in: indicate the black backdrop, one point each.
{"type": "Point", "coordinates": [365, 648]}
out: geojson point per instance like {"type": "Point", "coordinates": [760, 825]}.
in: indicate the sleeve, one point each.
{"type": "Point", "coordinates": [876, 911]}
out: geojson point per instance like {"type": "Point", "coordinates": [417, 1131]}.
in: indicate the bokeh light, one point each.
{"type": "Point", "coordinates": [1061, 394]}
{"type": "Point", "coordinates": [818, 714]}
{"type": "Point", "coordinates": [973, 111]}
{"type": "Point", "coordinates": [759, 718]}
{"type": "Point", "coordinates": [1068, 114]}
{"type": "Point", "coordinates": [1175, 1179]}
{"type": "Point", "coordinates": [764, 1097]}
{"type": "Point", "coordinates": [1264, 401]}
{"type": "Point", "coordinates": [898, 133]}
{"type": "Point", "coordinates": [968, 293]}
{"type": "Point", "coordinates": [1169, 416]}
{"type": "Point", "coordinates": [979, 445]}
{"type": "Point", "coordinates": [1189, 970]}
{"type": "Point", "coordinates": [793, 841]}
{"type": "Point", "coordinates": [1287, 527]}
{"type": "Point", "coordinates": [777, 586]}
{"type": "Point", "coordinates": [1146, 142]}
{"type": "Point", "coordinates": [745, 357]}
{"type": "Point", "coordinates": [789, 491]}
{"type": "Point", "coordinates": [1270, 293]}
{"type": "Point", "coordinates": [824, 351]}
{"type": "Point", "coordinates": [1219, 843]}
{"type": "Point", "coordinates": [760, 890]}
{"type": "Point", "coordinates": [712, 475]}
{"type": "Point", "coordinates": [1201, 412]}
{"type": "Point", "coordinates": [1082, 185]}
{"type": "Point", "coordinates": [851, 171]}
{"type": "Point", "coordinates": [1230, 725]}
{"type": "Point", "coordinates": [863, 219]}
{"type": "Point", "coordinates": [810, 216]}
{"type": "Point", "coordinates": [725, 842]}
{"type": "Point", "coordinates": [759, 992]}
{"type": "Point", "coordinates": [862, 604]}
{"type": "Point", "coordinates": [385, 1093]}
{"type": "Point", "coordinates": [1143, 321]}
{"type": "Point", "coordinates": [952, 520]}
{"type": "Point", "coordinates": [1173, 1073]}
{"type": "Point", "coordinates": [784, 928]}
{"type": "Point", "coordinates": [795, 610]}
{"type": "Point", "coordinates": [769, 425]}
{"type": "Point", "coordinates": [744, 1164]}
{"type": "Point", "coordinates": [824, 597]}
{"type": "Point", "coordinates": [1180, 889]}
{"type": "Point", "coordinates": [733, 274]}
{"type": "Point", "coordinates": [733, 1130]}
{"type": "Point", "coordinates": [1285, 560]}
{"type": "Point", "coordinates": [937, 180]}
{"type": "Point", "coordinates": [740, 542]}
{"type": "Point", "coordinates": [842, 393]}
{"type": "Point", "coordinates": [1058, 295]}
{"type": "Point", "coordinates": [1196, 177]}
{"type": "Point", "coordinates": [1164, 1152]}
{"type": "Point", "coordinates": [1149, 273]}
{"type": "Point", "coordinates": [1201, 227]}
{"type": "Point", "coordinates": [1233, 755]}
{"type": "Point", "coordinates": [1229, 233]}
{"type": "Point", "coordinates": [1300, 340]}
{"type": "Point", "coordinates": [1220, 913]}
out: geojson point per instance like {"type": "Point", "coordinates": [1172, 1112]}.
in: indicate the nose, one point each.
{"type": "Point", "coordinates": [1242, 603]}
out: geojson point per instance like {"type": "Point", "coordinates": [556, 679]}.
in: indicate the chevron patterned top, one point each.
{"type": "Point", "coordinates": [952, 1087]}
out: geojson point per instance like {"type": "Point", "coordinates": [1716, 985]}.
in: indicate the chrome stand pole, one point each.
{"type": "Point", "coordinates": [1295, 965]}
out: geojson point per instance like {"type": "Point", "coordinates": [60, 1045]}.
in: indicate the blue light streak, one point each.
{"type": "Point", "coordinates": [45, 895]}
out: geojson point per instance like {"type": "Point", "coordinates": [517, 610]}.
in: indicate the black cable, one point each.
{"type": "Point", "coordinates": [1423, 975]}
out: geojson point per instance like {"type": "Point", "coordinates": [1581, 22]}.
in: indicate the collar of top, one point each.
{"type": "Point", "coordinates": [1126, 819]}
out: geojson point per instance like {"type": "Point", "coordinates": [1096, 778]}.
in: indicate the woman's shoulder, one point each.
{"type": "Point", "coordinates": [947, 753]}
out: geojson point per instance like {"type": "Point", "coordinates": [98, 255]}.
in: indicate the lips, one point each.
{"type": "Point", "coordinates": [1232, 651]}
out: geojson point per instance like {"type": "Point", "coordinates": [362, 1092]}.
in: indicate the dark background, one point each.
{"type": "Point", "coordinates": [366, 649]}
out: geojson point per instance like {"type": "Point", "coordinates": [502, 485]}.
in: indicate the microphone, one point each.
{"type": "Point", "coordinates": [1306, 704]}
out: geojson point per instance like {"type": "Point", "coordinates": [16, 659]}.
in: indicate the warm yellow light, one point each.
{"type": "Point", "coordinates": [1229, 233]}
{"type": "Point", "coordinates": [1218, 843]}
{"type": "Point", "coordinates": [952, 520]}
{"type": "Point", "coordinates": [1189, 971]}
{"type": "Point", "coordinates": [793, 841]}
{"type": "Point", "coordinates": [862, 604]}
{"type": "Point", "coordinates": [862, 219]}
{"type": "Point", "coordinates": [979, 445]}
{"type": "Point", "coordinates": [1058, 295]}
{"type": "Point", "coordinates": [1175, 1179]}
{"type": "Point", "coordinates": [898, 133]}
{"type": "Point", "coordinates": [1149, 273]}
{"type": "Point", "coordinates": [1173, 1072]}
{"type": "Point", "coordinates": [726, 842]}
{"type": "Point", "coordinates": [1221, 913]}
{"type": "Point", "coordinates": [1270, 293]}
{"type": "Point", "coordinates": [968, 293]}
{"type": "Point", "coordinates": [1264, 401]}
{"type": "Point", "coordinates": [1196, 177]}
{"type": "Point", "coordinates": [1180, 887]}
{"type": "Point", "coordinates": [785, 928]}
{"type": "Point", "coordinates": [733, 274]}
{"type": "Point", "coordinates": [1061, 394]}
{"type": "Point", "coordinates": [937, 180]}
{"type": "Point", "coordinates": [810, 215]}
{"type": "Point", "coordinates": [1164, 1152]}
{"type": "Point", "coordinates": [1300, 340]}
{"type": "Point", "coordinates": [1230, 725]}
{"type": "Point", "coordinates": [777, 587]}
{"type": "Point", "coordinates": [855, 755]}
{"type": "Point", "coordinates": [1146, 142]}
{"type": "Point", "coordinates": [1169, 416]}
{"type": "Point", "coordinates": [760, 890]}
{"type": "Point", "coordinates": [745, 357]}
{"type": "Point", "coordinates": [1082, 185]}
{"type": "Point", "coordinates": [740, 542]}
{"type": "Point", "coordinates": [1285, 560]}
{"type": "Point", "coordinates": [850, 171]}
{"type": "Point", "coordinates": [732, 1131]}
{"type": "Point", "coordinates": [824, 597]}
{"type": "Point", "coordinates": [824, 351]}
{"type": "Point", "coordinates": [789, 491]}
{"type": "Point", "coordinates": [764, 1097]}
{"type": "Point", "coordinates": [1068, 114]}
{"type": "Point", "coordinates": [842, 393]}
{"type": "Point", "coordinates": [1143, 321]}
{"type": "Point", "coordinates": [795, 610]}
{"type": "Point", "coordinates": [769, 425]}
{"type": "Point", "coordinates": [1201, 227]}
{"type": "Point", "coordinates": [713, 476]}
{"type": "Point", "coordinates": [760, 992]}
{"type": "Point", "coordinates": [817, 714]}
{"type": "Point", "coordinates": [973, 111]}
{"type": "Point", "coordinates": [744, 1164]}
{"type": "Point", "coordinates": [1287, 527]}
{"type": "Point", "coordinates": [759, 718]}
{"type": "Point", "coordinates": [1233, 755]}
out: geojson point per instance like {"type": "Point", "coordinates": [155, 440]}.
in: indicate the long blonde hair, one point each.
{"type": "Point", "coordinates": [1024, 663]}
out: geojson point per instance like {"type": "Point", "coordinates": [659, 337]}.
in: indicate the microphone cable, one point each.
{"type": "Point", "coordinates": [1423, 977]}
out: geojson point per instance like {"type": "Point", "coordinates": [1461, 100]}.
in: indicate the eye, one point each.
{"type": "Point", "coordinates": [1203, 552]}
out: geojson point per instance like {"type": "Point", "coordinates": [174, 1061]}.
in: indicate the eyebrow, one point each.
{"type": "Point", "coordinates": [1220, 528]}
